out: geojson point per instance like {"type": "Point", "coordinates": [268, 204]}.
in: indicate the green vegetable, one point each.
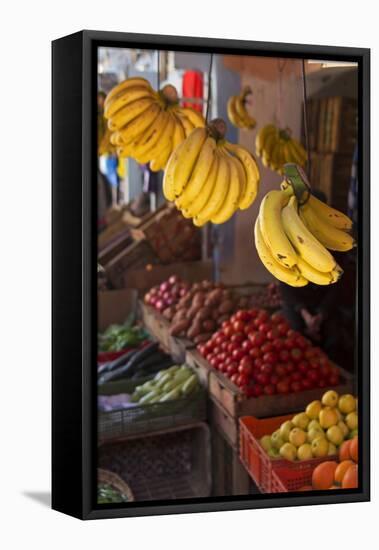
{"type": "Point", "coordinates": [118, 337]}
{"type": "Point", "coordinates": [189, 385]}
{"type": "Point", "coordinates": [170, 396]}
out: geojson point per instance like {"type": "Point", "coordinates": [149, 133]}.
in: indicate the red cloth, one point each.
{"type": "Point", "coordinates": [193, 86]}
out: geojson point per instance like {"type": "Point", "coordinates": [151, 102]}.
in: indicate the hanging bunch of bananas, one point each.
{"type": "Point", "coordinates": [276, 147]}
{"type": "Point", "coordinates": [148, 125]}
{"type": "Point", "coordinates": [209, 178]}
{"type": "Point", "coordinates": [293, 241]}
{"type": "Point", "coordinates": [237, 112]}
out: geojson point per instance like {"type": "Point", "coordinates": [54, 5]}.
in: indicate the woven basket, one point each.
{"type": "Point", "coordinates": [105, 476]}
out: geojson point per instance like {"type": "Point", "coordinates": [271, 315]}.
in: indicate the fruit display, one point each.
{"type": "Point", "coordinates": [276, 147]}
{"type": "Point", "coordinates": [342, 474]}
{"type": "Point", "coordinates": [200, 312]}
{"type": "Point", "coordinates": [262, 355]}
{"type": "Point", "coordinates": [148, 125]}
{"type": "Point", "coordinates": [209, 178]}
{"type": "Point", "coordinates": [167, 294]}
{"type": "Point", "coordinates": [326, 427]}
{"type": "Point", "coordinates": [237, 112]}
{"type": "Point", "coordinates": [294, 241]}
{"type": "Point", "coordinates": [168, 385]}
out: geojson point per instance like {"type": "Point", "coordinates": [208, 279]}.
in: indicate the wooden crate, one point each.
{"type": "Point", "coordinates": [159, 328]}
{"type": "Point", "coordinates": [229, 477]}
{"type": "Point", "coordinates": [135, 256]}
{"type": "Point", "coordinates": [172, 237]}
{"type": "Point", "coordinates": [200, 365]}
{"type": "Point", "coordinates": [229, 396]}
{"type": "Point", "coordinates": [227, 425]}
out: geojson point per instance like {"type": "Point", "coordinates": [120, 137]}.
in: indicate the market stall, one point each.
{"type": "Point", "coordinates": [226, 263]}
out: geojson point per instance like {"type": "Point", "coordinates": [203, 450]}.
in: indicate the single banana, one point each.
{"type": "Point", "coordinates": [290, 276]}
{"type": "Point", "coordinates": [336, 273]}
{"type": "Point", "coordinates": [195, 117]}
{"type": "Point", "coordinates": [331, 237]}
{"type": "Point", "coordinates": [313, 275]}
{"type": "Point", "coordinates": [199, 174]}
{"type": "Point", "coordinates": [272, 229]}
{"type": "Point", "coordinates": [165, 140]}
{"type": "Point", "coordinates": [230, 204]}
{"type": "Point", "coordinates": [205, 192]}
{"type": "Point", "coordinates": [308, 247]}
{"type": "Point", "coordinates": [126, 85]}
{"type": "Point", "coordinates": [330, 215]}
{"type": "Point", "coordinates": [134, 129]}
{"type": "Point", "coordinates": [180, 164]}
{"type": "Point", "coordinates": [130, 112]}
{"type": "Point", "coordinates": [251, 171]}
{"type": "Point", "coordinates": [219, 192]}
{"type": "Point", "coordinates": [130, 95]}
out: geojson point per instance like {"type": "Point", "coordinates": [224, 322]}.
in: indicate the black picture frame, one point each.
{"type": "Point", "coordinates": [74, 315]}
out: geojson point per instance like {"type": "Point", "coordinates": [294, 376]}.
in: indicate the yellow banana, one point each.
{"type": "Point", "coordinates": [308, 247]}
{"type": "Point", "coordinates": [232, 113]}
{"type": "Point", "coordinates": [130, 95]}
{"type": "Point", "coordinates": [139, 124]}
{"type": "Point", "coordinates": [230, 204]}
{"type": "Point", "coordinates": [218, 193]}
{"type": "Point", "coordinates": [205, 192]}
{"type": "Point", "coordinates": [336, 273]}
{"type": "Point", "coordinates": [159, 162]}
{"type": "Point", "coordinates": [123, 117]}
{"type": "Point", "coordinates": [151, 137]}
{"type": "Point", "coordinates": [330, 215]}
{"type": "Point", "coordinates": [251, 171]}
{"type": "Point", "coordinates": [240, 107]}
{"type": "Point", "coordinates": [165, 139]}
{"type": "Point", "coordinates": [199, 174]}
{"type": "Point", "coordinates": [290, 276]}
{"type": "Point", "coordinates": [181, 163]}
{"type": "Point", "coordinates": [195, 117]}
{"type": "Point", "coordinates": [261, 137]}
{"type": "Point", "coordinates": [294, 153]}
{"type": "Point", "coordinates": [331, 237]}
{"type": "Point", "coordinates": [179, 133]}
{"type": "Point", "coordinates": [186, 123]}
{"type": "Point", "coordinates": [126, 85]}
{"type": "Point", "coordinates": [272, 228]}
{"type": "Point", "coordinates": [313, 275]}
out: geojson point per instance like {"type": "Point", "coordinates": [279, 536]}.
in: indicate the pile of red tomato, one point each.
{"type": "Point", "coordinates": [263, 356]}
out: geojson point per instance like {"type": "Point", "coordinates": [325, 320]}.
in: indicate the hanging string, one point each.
{"type": "Point", "coordinates": [158, 70]}
{"type": "Point", "coordinates": [209, 87]}
{"type": "Point", "coordinates": [281, 65]}
{"type": "Point", "coordinates": [305, 115]}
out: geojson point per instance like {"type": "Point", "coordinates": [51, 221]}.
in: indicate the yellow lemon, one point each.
{"type": "Point", "coordinates": [297, 437]}
{"type": "Point", "coordinates": [288, 451]}
{"type": "Point", "coordinates": [346, 403]}
{"type": "Point", "coordinates": [320, 447]}
{"type": "Point", "coordinates": [313, 409]}
{"type": "Point", "coordinates": [330, 398]}
{"type": "Point", "coordinates": [328, 417]}
{"type": "Point", "coordinates": [335, 435]}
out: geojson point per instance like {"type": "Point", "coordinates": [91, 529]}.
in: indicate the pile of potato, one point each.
{"type": "Point", "coordinates": [201, 311]}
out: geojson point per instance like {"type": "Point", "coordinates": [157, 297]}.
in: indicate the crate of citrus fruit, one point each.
{"type": "Point", "coordinates": [297, 443]}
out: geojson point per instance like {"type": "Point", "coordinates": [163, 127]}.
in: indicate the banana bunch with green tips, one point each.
{"type": "Point", "coordinates": [294, 242]}
{"type": "Point", "coordinates": [148, 125]}
{"type": "Point", "coordinates": [276, 147]}
{"type": "Point", "coordinates": [210, 178]}
{"type": "Point", "coordinates": [237, 112]}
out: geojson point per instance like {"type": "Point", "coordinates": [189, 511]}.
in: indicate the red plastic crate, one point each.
{"type": "Point", "coordinates": [288, 481]}
{"type": "Point", "coordinates": [261, 467]}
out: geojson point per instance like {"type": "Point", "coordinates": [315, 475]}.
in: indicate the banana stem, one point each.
{"type": "Point", "coordinates": [295, 176]}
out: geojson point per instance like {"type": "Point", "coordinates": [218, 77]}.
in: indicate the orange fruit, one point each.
{"type": "Point", "coordinates": [323, 475]}
{"type": "Point", "coordinates": [354, 449]}
{"type": "Point", "coordinates": [350, 479]}
{"type": "Point", "coordinates": [344, 453]}
{"type": "Point", "coordinates": [341, 470]}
